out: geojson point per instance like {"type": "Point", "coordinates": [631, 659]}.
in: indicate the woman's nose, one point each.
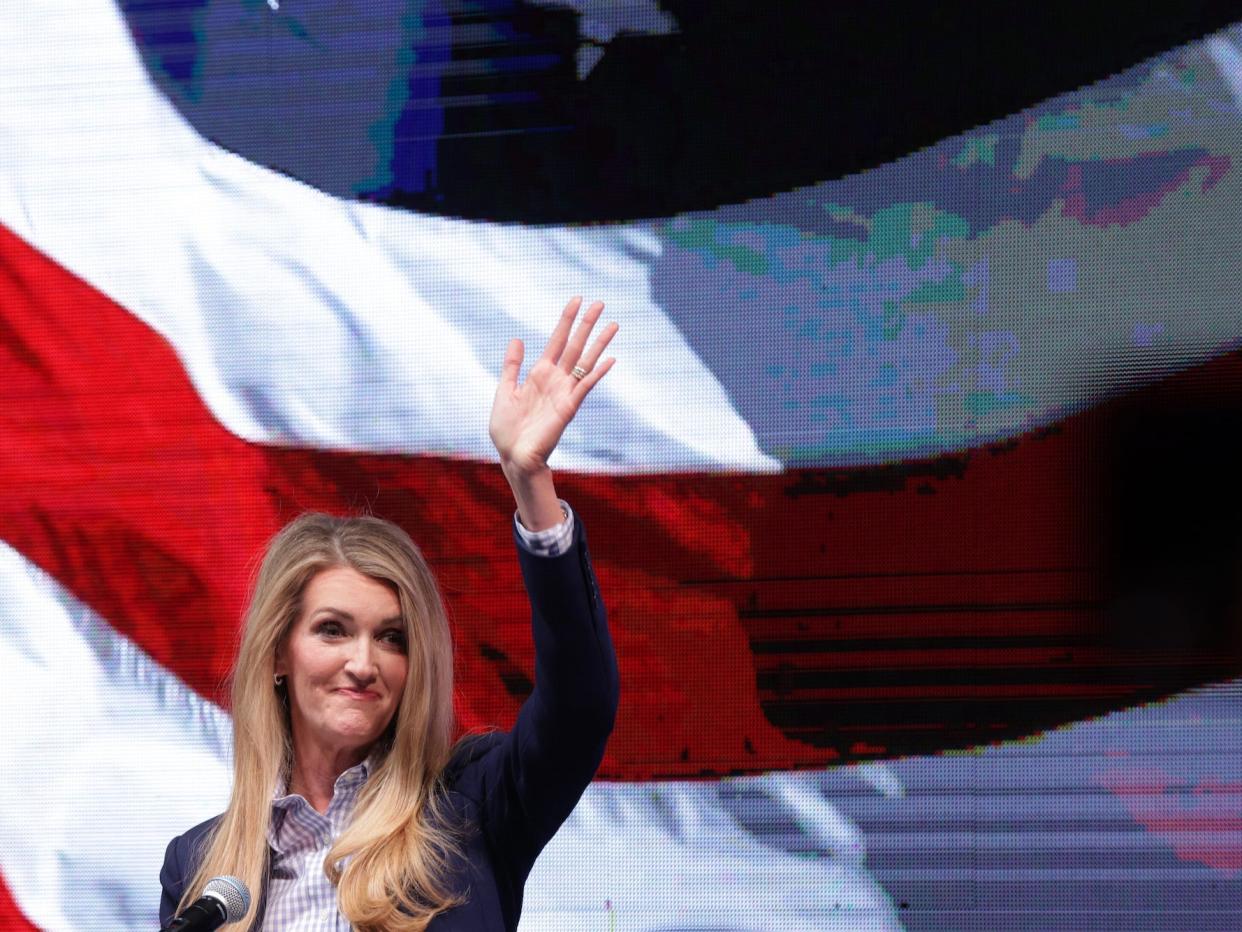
{"type": "Point", "coordinates": [361, 661]}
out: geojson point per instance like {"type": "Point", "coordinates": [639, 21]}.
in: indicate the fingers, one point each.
{"type": "Point", "coordinates": [565, 346]}
{"type": "Point", "coordinates": [560, 335]}
{"type": "Point", "coordinates": [563, 349]}
{"type": "Point", "coordinates": [587, 382]}
{"type": "Point", "coordinates": [573, 351]}
{"type": "Point", "coordinates": [512, 364]}
{"type": "Point", "coordinates": [591, 357]}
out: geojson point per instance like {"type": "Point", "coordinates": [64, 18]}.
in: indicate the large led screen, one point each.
{"type": "Point", "coordinates": [914, 494]}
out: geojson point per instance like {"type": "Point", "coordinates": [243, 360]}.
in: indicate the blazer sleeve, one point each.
{"type": "Point", "coordinates": [526, 782]}
{"type": "Point", "coordinates": [172, 882]}
{"type": "Point", "coordinates": [180, 862]}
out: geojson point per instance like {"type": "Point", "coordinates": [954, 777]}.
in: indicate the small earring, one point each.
{"type": "Point", "coordinates": [278, 679]}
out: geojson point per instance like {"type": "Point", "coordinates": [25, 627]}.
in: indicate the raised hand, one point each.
{"type": "Point", "coordinates": [528, 418]}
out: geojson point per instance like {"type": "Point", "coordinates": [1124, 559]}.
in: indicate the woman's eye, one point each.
{"type": "Point", "coordinates": [395, 637]}
{"type": "Point", "coordinates": [330, 629]}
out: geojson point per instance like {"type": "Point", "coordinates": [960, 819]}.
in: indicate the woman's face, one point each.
{"type": "Point", "coordinates": [345, 662]}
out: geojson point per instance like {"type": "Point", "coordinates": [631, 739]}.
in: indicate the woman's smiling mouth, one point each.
{"type": "Point", "coordinates": [359, 694]}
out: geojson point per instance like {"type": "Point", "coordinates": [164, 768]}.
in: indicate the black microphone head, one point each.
{"type": "Point", "coordinates": [231, 893]}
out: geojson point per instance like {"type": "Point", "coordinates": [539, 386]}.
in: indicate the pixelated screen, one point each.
{"type": "Point", "coordinates": [913, 495]}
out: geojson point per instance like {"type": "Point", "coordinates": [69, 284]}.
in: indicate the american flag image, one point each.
{"type": "Point", "coordinates": [844, 488]}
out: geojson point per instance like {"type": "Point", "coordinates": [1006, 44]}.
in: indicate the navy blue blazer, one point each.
{"type": "Point", "coordinates": [513, 789]}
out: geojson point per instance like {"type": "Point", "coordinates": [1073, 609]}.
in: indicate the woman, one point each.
{"type": "Point", "coordinates": [350, 806]}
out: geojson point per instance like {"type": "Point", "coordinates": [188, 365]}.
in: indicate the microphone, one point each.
{"type": "Point", "coordinates": [224, 899]}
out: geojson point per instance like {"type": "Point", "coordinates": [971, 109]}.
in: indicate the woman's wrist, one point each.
{"type": "Point", "coordinates": [535, 494]}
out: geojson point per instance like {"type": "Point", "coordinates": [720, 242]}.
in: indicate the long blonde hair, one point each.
{"type": "Point", "coordinates": [399, 839]}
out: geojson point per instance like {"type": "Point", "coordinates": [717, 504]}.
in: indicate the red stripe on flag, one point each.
{"type": "Point", "coordinates": [11, 917]}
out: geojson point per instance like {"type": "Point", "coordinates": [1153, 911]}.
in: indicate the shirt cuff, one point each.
{"type": "Point", "coordinates": [552, 541]}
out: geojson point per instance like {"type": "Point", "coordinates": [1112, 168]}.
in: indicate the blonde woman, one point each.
{"type": "Point", "coordinates": [351, 807]}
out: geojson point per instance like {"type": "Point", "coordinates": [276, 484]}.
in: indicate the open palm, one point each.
{"type": "Point", "coordinates": [528, 418]}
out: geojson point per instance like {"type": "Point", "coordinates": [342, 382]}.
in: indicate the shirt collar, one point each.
{"type": "Point", "coordinates": [354, 776]}
{"type": "Point", "coordinates": [344, 793]}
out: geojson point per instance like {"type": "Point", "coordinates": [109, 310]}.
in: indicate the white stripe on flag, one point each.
{"type": "Point", "coordinates": [666, 855]}
{"type": "Point", "coordinates": [106, 756]}
{"type": "Point", "coordinates": [305, 319]}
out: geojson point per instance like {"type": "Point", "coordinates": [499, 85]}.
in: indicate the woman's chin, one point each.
{"type": "Point", "coordinates": [354, 733]}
